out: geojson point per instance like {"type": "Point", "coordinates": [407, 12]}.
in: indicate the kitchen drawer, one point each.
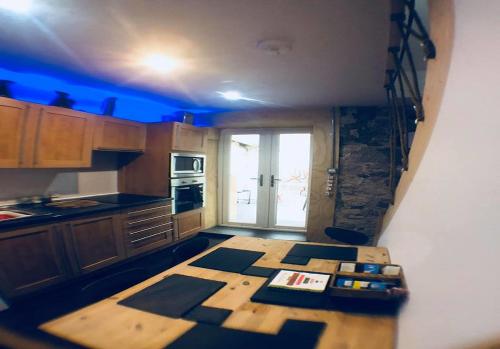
{"type": "Point", "coordinates": [134, 235]}
{"type": "Point", "coordinates": [188, 223]}
{"type": "Point", "coordinates": [153, 239]}
{"type": "Point", "coordinates": [143, 213]}
{"type": "Point", "coordinates": [138, 224]}
{"type": "Point", "coordinates": [147, 228]}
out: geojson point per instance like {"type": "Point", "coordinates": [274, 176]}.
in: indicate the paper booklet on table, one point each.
{"type": "Point", "coordinates": [301, 281]}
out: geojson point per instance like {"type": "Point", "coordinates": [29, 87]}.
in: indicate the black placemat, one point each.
{"type": "Point", "coordinates": [203, 336]}
{"type": "Point", "coordinates": [291, 298]}
{"type": "Point", "coordinates": [295, 260]}
{"type": "Point", "coordinates": [208, 315]}
{"type": "Point", "coordinates": [259, 271]}
{"type": "Point", "coordinates": [228, 259]}
{"type": "Point", "coordinates": [173, 296]}
{"type": "Point", "coordinates": [320, 252]}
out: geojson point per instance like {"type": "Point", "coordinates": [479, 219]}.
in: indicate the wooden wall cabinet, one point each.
{"type": "Point", "coordinates": [119, 135]}
{"type": "Point", "coordinates": [31, 259]}
{"type": "Point", "coordinates": [148, 227]}
{"type": "Point", "coordinates": [94, 243]}
{"type": "Point", "coordinates": [188, 223]}
{"type": "Point", "coordinates": [17, 128]}
{"type": "Point", "coordinates": [63, 138]}
{"type": "Point", "coordinates": [187, 137]}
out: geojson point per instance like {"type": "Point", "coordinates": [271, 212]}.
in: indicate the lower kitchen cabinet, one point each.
{"type": "Point", "coordinates": [147, 228]}
{"type": "Point", "coordinates": [188, 223]}
{"type": "Point", "coordinates": [94, 243]}
{"type": "Point", "coordinates": [31, 259]}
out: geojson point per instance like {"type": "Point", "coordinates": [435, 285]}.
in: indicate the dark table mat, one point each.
{"type": "Point", "coordinates": [291, 298]}
{"type": "Point", "coordinates": [259, 271]}
{"type": "Point", "coordinates": [294, 334]}
{"type": "Point", "coordinates": [208, 315]}
{"type": "Point", "coordinates": [228, 259]}
{"type": "Point", "coordinates": [173, 296]}
{"type": "Point", "coordinates": [301, 253]}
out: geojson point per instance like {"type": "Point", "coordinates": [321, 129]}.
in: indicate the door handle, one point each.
{"type": "Point", "coordinates": [274, 180]}
{"type": "Point", "coordinates": [261, 179]}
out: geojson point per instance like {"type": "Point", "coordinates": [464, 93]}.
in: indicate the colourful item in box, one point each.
{"type": "Point", "coordinates": [358, 285]}
{"type": "Point", "coordinates": [371, 268]}
{"type": "Point", "coordinates": [378, 285]}
{"type": "Point", "coordinates": [348, 267]}
{"type": "Point", "coordinates": [391, 270]}
{"type": "Point", "coordinates": [347, 283]}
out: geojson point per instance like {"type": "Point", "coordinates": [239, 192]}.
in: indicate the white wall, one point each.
{"type": "Point", "coordinates": [446, 231]}
{"type": "Point", "coordinates": [101, 178]}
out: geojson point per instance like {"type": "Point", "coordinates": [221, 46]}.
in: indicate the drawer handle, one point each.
{"type": "Point", "coordinates": [149, 228]}
{"type": "Point", "coordinates": [149, 236]}
{"type": "Point", "coordinates": [148, 219]}
{"type": "Point", "coordinates": [149, 209]}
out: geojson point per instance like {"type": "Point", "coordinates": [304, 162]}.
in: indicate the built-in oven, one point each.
{"type": "Point", "coordinates": [187, 165]}
{"type": "Point", "coordinates": [187, 193]}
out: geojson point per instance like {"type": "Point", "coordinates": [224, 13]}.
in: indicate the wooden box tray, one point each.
{"type": "Point", "coordinates": [398, 292]}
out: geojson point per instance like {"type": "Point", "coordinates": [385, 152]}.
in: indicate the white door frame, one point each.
{"type": "Point", "coordinates": [266, 195]}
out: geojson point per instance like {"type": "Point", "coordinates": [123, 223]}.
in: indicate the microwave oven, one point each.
{"type": "Point", "coordinates": [187, 165]}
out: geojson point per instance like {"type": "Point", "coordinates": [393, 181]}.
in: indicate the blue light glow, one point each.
{"type": "Point", "coordinates": [38, 88]}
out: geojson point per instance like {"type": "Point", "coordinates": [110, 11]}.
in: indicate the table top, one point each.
{"type": "Point", "coordinates": [107, 324]}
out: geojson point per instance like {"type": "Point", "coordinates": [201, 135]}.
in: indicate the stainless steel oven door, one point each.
{"type": "Point", "coordinates": [187, 193]}
{"type": "Point", "coordinates": [187, 165]}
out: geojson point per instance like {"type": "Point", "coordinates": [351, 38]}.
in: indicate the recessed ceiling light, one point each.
{"type": "Point", "coordinates": [231, 95]}
{"type": "Point", "coordinates": [160, 62]}
{"type": "Point", "coordinates": [275, 47]}
{"type": "Point", "coordinates": [19, 6]}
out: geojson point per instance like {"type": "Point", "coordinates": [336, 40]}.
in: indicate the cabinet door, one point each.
{"type": "Point", "coordinates": [95, 242]}
{"type": "Point", "coordinates": [63, 139]}
{"type": "Point", "coordinates": [31, 259]}
{"type": "Point", "coordinates": [147, 228]}
{"type": "Point", "coordinates": [188, 138]}
{"type": "Point", "coordinates": [15, 138]}
{"type": "Point", "coordinates": [188, 223]}
{"type": "Point", "coordinates": [119, 135]}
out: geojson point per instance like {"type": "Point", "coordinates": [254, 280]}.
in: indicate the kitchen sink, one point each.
{"type": "Point", "coordinates": [10, 214]}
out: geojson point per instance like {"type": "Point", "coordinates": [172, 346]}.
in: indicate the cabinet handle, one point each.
{"type": "Point", "coordinates": [149, 209]}
{"type": "Point", "coordinates": [148, 219]}
{"type": "Point", "coordinates": [150, 236]}
{"type": "Point", "coordinates": [149, 228]}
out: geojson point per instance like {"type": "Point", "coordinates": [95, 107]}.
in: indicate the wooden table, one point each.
{"type": "Point", "coordinates": [108, 325]}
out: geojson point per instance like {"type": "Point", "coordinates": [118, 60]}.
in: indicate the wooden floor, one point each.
{"type": "Point", "coordinates": [108, 325]}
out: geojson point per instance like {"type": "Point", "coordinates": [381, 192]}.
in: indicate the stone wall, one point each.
{"type": "Point", "coordinates": [363, 192]}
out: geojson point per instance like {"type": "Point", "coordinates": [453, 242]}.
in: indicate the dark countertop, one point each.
{"type": "Point", "coordinates": [42, 214]}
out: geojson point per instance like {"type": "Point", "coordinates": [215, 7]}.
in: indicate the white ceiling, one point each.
{"type": "Point", "coordinates": [338, 55]}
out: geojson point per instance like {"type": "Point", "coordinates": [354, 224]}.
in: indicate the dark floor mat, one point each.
{"type": "Point", "coordinates": [204, 336]}
{"type": "Point", "coordinates": [228, 259]}
{"type": "Point", "coordinates": [174, 296]}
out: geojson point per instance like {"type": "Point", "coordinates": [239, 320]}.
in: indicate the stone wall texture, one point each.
{"type": "Point", "coordinates": [363, 192]}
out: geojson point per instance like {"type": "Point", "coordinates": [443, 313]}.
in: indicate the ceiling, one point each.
{"type": "Point", "coordinates": [338, 55]}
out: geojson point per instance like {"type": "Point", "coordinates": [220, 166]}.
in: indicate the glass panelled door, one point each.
{"type": "Point", "coordinates": [265, 178]}
{"type": "Point", "coordinates": [289, 181]}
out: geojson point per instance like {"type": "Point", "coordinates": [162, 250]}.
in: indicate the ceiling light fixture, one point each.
{"type": "Point", "coordinates": [160, 62]}
{"type": "Point", "coordinates": [231, 95]}
{"type": "Point", "coordinates": [19, 6]}
{"type": "Point", "coordinates": [275, 47]}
